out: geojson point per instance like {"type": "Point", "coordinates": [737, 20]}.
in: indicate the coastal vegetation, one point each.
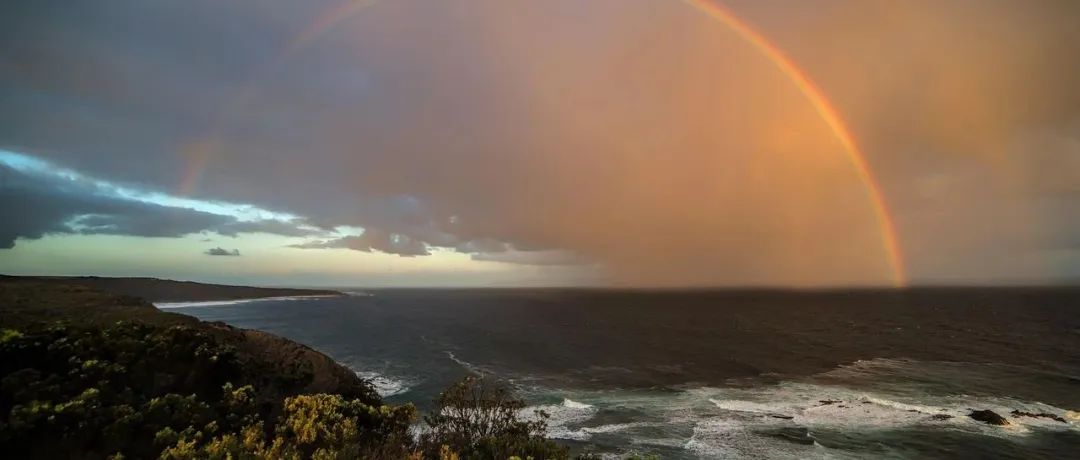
{"type": "Point", "coordinates": [86, 374]}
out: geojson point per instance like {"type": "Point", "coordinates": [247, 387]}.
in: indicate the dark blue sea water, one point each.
{"type": "Point", "coordinates": [731, 374]}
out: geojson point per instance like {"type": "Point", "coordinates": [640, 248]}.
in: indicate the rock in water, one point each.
{"type": "Point", "coordinates": [988, 416]}
{"type": "Point", "coordinates": [1020, 413]}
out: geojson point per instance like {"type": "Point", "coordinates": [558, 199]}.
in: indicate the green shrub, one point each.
{"type": "Point", "coordinates": [135, 390]}
{"type": "Point", "coordinates": [312, 426]}
{"type": "Point", "coordinates": [479, 419]}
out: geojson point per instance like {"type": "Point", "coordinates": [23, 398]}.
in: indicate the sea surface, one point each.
{"type": "Point", "coordinates": [725, 374]}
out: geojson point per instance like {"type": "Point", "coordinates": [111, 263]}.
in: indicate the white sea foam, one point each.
{"type": "Point", "coordinates": [218, 303]}
{"type": "Point", "coordinates": [743, 422]}
{"type": "Point", "coordinates": [563, 417]}
{"type": "Point", "coordinates": [812, 406]}
{"type": "Point", "coordinates": [720, 438]}
{"type": "Point", "coordinates": [575, 405]}
{"type": "Point", "coordinates": [467, 365]}
{"type": "Point", "coordinates": [384, 385]}
{"type": "Point", "coordinates": [617, 427]}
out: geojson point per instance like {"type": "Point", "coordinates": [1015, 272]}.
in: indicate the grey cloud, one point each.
{"type": "Point", "coordinates": [372, 240]}
{"type": "Point", "coordinates": [412, 112]}
{"type": "Point", "coordinates": [486, 245]}
{"type": "Point", "coordinates": [218, 251]}
{"type": "Point", "coordinates": [547, 257]}
{"type": "Point", "coordinates": [271, 226]}
{"type": "Point", "coordinates": [38, 206]}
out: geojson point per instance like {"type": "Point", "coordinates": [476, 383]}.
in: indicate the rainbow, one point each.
{"type": "Point", "coordinates": [200, 151]}
{"type": "Point", "coordinates": [828, 113]}
{"type": "Point", "coordinates": [324, 22]}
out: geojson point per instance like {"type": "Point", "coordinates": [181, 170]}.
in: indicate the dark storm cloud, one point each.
{"type": "Point", "coordinates": [634, 133]}
{"type": "Point", "coordinates": [42, 204]}
{"type": "Point", "coordinates": [218, 251]}
{"type": "Point", "coordinates": [37, 206]}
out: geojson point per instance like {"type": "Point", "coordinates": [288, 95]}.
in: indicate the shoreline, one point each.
{"type": "Point", "coordinates": [165, 291]}
{"type": "Point", "coordinates": [169, 305]}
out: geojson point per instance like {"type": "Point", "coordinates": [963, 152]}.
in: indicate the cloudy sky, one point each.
{"type": "Point", "coordinates": [507, 143]}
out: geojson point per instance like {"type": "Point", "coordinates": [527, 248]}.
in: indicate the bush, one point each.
{"type": "Point", "coordinates": [97, 391]}
{"type": "Point", "coordinates": [479, 419]}
{"type": "Point", "coordinates": [312, 426]}
{"type": "Point", "coordinates": [147, 390]}
{"type": "Point", "coordinates": [134, 390]}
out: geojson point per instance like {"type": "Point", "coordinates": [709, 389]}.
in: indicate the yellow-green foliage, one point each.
{"type": "Point", "coordinates": [133, 390]}
{"type": "Point", "coordinates": [9, 334]}
{"type": "Point", "coordinates": [319, 426]}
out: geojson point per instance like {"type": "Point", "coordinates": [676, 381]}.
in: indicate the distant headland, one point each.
{"type": "Point", "coordinates": [161, 290]}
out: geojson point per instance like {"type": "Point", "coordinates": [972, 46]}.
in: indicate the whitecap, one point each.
{"type": "Point", "coordinates": [617, 427]}
{"type": "Point", "coordinates": [467, 365]}
{"type": "Point", "coordinates": [744, 421]}
{"type": "Point", "coordinates": [575, 405]}
{"type": "Point", "coordinates": [812, 405]}
{"type": "Point", "coordinates": [715, 422]}
{"type": "Point", "coordinates": [384, 386]}
{"type": "Point", "coordinates": [563, 418]}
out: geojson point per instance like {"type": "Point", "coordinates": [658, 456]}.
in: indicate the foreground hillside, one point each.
{"type": "Point", "coordinates": [89, 374]}
{"type": "Point", "coordinates": [159, 290]}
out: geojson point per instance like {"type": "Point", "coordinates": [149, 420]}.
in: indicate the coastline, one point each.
{"type": "Point", "coordinates": [31, 304]}
{"type": "Point", "coordinates": [157, 290]}
{"type": "Point", "coordinates": [215, 303]}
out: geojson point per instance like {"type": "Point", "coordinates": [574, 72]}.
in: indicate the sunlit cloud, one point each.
{"type": "Point", "coordinates": [37, 166]}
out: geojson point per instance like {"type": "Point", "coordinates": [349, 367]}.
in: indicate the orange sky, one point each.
{"type": "Point", "coordinates": [646, 139]}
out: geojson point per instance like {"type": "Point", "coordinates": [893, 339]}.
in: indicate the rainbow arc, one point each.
{"type": "Point", "coordinates": [889, 240]}
{"type": "Point", "coordinates": [202, 151]}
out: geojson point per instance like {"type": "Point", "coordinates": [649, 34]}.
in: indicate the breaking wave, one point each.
{"type": "Point", "coordinates": [385, 386]}
{"type": "Point", "coordinates": [562, 417]}
{"type": "Point", "coordinates": [788, 419]}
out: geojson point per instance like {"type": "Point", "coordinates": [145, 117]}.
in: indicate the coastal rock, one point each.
{"type": "Point", "coordinates": [989, 417]}
{"type": "Point", "coordinates": [1020, 413]}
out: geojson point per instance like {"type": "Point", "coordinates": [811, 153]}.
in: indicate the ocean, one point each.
{"type": "Point", "coordinates": [726, 373]}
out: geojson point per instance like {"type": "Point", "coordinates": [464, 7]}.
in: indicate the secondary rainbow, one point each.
{"type": "Point", "coordinates": [200, 151]}
{"type": "Point", "coordinates": [828, 113]}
